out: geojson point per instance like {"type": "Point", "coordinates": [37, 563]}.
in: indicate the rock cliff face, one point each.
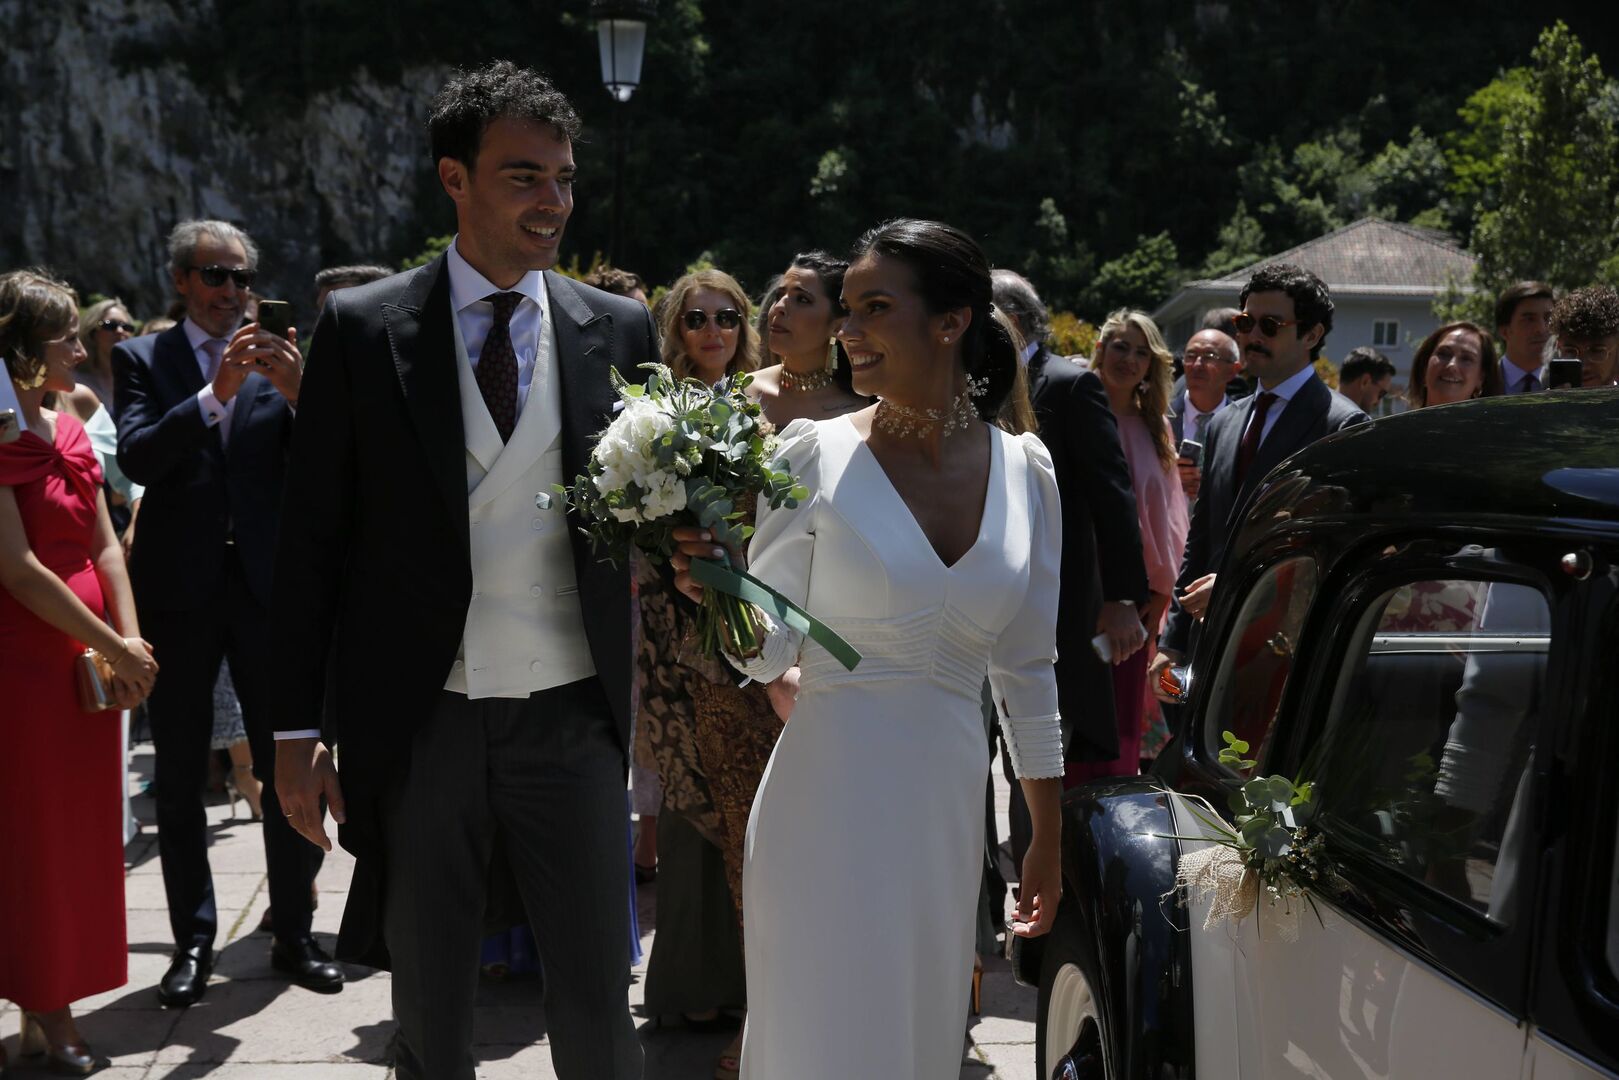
{"type": "Point", "coordinates": [108, 136]}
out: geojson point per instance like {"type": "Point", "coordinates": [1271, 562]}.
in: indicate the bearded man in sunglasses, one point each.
{"type": "Point", "coordinates": [205, 423]}
{"type": "Point", "coordinates": [1286, 313]}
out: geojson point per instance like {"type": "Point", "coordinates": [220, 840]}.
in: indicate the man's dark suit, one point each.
{"type": "Point", "coordinates": [374, 580]}
{"type": "Point", "coordinates": [1101, 543]}
{"type": "Point", "coordinates": [1314, 412]}
{"type": "Point", "coordinates": [201, 573]}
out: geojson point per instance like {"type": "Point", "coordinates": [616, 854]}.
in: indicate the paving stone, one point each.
{"type": "Point", "coordinates": [274, 1021]}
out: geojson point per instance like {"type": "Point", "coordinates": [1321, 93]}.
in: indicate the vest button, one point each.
{"type": "Point", "coordinates": [458, 665]}
{"type": "Point", "coordinates": [539, 523]}
{"type": "Point", "coordinates": [538, 665]}
{"type": "Point", "coordinates": [536, 590]}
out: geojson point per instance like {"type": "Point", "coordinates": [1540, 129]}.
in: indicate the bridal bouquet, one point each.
{"type": "Point", "coordinates": [683, 454]}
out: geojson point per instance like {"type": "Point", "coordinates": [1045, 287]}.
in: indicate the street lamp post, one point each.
{"type": "Point", "coordinates": [621, 36]}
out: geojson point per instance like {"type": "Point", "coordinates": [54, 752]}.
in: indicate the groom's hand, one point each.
{"type": "Point", "coordinates": [304, 773]}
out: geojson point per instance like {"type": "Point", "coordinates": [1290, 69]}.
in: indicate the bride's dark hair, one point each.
{"type": "Point", "coordinates": [952, 272]}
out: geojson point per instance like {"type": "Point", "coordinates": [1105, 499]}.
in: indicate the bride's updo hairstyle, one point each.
{"type": "Point", "coordinates": [952, 272]}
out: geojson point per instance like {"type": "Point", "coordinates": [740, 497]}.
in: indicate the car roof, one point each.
{"type": "Point", "coordinates": [1527, 459]}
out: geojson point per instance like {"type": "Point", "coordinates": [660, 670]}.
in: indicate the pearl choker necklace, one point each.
{"type": "Point", "coordinates": [793, 382]}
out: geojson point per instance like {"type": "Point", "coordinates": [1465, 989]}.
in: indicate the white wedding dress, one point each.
{"type": "Point", "coordinates": [866, 843]}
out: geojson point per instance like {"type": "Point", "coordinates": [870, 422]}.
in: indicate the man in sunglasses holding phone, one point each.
{"type": "Point", "coordinates": [205, 423]}
{"type": "Point", "coordinates": [1285, 317]}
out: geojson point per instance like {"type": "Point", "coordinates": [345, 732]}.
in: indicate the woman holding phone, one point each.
{"type": "Point", "coordinates": [62, 932]}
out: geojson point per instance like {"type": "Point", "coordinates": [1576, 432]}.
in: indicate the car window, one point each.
{"type": "Point", "coordinates": [1251, 677]}
{"type": "Point", "coordinates": [1425, 763]}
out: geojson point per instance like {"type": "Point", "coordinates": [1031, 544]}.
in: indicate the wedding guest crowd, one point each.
{"type": "Point", "coordinates": [148, 476]}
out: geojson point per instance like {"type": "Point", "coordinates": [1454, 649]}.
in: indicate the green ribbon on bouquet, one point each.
{"type": "Point", "coordinates": [751, 590]}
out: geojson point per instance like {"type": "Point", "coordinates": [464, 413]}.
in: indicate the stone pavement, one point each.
{"type": "Point", "coordinates": [253, 1025]}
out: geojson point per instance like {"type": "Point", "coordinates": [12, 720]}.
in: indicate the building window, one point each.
{"type": "Point", "coordinates": [1385, 333]}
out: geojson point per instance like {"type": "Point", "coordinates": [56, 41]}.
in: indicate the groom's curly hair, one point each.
{"type": "Point", "coordinates": [464, 108]}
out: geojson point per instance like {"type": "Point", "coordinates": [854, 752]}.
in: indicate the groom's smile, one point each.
{"type": "Point", "coordinates": [513, 199]}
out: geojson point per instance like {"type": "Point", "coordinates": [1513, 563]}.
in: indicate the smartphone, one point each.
{"type": "Point", "coordinates": [1192, 451]}
{"type": "Point", "coordinates": [275, 317]}
{"type": "Point", "coordinates": [10, 426]}
{"type": "Point", "coordinates": [1563, 372]}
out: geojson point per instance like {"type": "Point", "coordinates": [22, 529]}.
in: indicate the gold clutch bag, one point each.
{"type": "Point", "coordinates": [92, 677]}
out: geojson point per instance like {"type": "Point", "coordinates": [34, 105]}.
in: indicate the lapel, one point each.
{"type": "Point", "coordinates": [422, 340]}
{"type": "Point", "coordinates": [482, 437]}
{"type": "Point", "coordinates": [1292, 431]}
{"type": "Point", "coordinates": [584, 353]}
{"type": "Point", "coordinates": [1222, 471]}
{"type": "Point", "coordinates": [174, 362]}
{"type": "Point", "coordinates": [537, 424]}
{"type": "Point", "coordinates": [1177, 415]}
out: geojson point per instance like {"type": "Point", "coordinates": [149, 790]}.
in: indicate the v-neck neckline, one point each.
{"type": "Point", "coordinates": [927, 541]}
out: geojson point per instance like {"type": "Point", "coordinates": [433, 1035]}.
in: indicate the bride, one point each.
{"type": "Point", "coordinates": [930, 540]}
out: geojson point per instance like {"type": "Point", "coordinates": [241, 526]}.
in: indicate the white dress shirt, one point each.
{"type": "Point", "coordinates": [215, 413]}
{"type": "Point", "coordinates": [1192, 417]}
{"type": "Point", "coordinates": [1513, 376]}
{"type": "Point", "coordinates": [1285, 391]}
{"type": "Point", "coordinates": [476, 315]}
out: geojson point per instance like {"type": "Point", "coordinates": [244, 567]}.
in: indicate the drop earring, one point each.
{"type": "Point", "coordinates": [832, 354]}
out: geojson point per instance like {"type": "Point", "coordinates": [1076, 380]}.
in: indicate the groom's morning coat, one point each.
{"type": "Point", "coordinates": [373, 573]}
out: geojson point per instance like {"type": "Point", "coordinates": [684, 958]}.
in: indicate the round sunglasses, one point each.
{"type": "Point", "coordinates": [1269, 325]}
{"type": "Point", "coordinates": [724, 318]}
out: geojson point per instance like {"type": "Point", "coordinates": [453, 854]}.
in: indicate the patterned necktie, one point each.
{"type": "Point", "coordinates": [1248, 449]}
{"type": "Point", "coordinates": [1531, 383]}
{"type": "Point", "coordinates": [215, 348]}
{"type": "Point", "coordinates": [497, 365]}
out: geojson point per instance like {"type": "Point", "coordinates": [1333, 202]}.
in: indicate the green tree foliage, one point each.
{"type": "Point", "coordinates": [1241, 242]}
{"type": "Point", "coordinates": [1556, 218]}
{"type": "Point", "coordinates": [1143, 277]}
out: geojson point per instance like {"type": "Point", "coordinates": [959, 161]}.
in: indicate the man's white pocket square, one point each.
{"type": "Point", "coordinates": [618, 406]}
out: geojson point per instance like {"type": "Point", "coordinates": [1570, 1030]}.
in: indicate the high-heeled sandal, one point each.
{"type": "Point", "coordinates": [74, 1059]}
{"type": "Point", "coordinates": [978, 985]}
{"type": "Point", "coordinates": [240, 783]}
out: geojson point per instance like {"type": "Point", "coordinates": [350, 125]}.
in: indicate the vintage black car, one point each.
{"type": "Point", "coordinates": [1419, 615]}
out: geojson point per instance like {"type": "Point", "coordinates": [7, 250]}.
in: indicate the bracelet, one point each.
{"type": "Point", "coordinates": [121, 657]}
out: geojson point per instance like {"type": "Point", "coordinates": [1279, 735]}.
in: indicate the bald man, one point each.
{"type": "Point", "coordinates": [1212, 361]}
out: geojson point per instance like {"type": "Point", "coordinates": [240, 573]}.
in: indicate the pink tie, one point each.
{"type": "Point", "coordinates": [215, 348]}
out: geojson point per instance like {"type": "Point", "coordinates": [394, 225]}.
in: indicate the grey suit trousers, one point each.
{"type": "Point", "coordinates": [547, 774]}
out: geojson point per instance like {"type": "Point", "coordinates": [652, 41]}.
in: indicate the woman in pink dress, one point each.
{"type": "Point", "coordinates": [61, 575]}
{"type": "Point", "coordinates": [1134, 366]}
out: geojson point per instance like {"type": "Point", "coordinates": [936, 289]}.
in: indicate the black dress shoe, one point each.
{"type": "Point", "coordinates": [187, 977]}
{"type": "Point", "coordinates": [308, 965]}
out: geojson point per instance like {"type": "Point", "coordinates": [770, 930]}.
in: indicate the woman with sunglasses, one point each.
{"type": "Point", "coordinates": [696, 965]}
{"type": "Point", "coordinates": [1134, 365]}
{"type": "Point", "coordinates": [705, 328]}
{"type": "Point", "coordinates": [104, 324]}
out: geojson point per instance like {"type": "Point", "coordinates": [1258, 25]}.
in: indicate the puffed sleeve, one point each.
{"type": "Point", "coordinates": [782, 549]}
{"type": "Point", "coordinates": [1022, 672]}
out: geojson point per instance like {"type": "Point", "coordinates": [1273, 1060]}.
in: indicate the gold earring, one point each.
{"type": "Point", "coordinates": [34, 378]}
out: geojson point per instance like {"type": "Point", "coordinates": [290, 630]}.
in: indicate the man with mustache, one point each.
{"type": "Point", "coordinates": [205, 415]}
{"type": "Point", "coordinates": [438, 609]}
{"type": "Point", "coordinates": [1523, 314]}
{"type": "Point", "coordinates": [1286, 315]}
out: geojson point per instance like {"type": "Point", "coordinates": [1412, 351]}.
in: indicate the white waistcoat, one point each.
{"type": "Point", "coordinates": [525, 628]}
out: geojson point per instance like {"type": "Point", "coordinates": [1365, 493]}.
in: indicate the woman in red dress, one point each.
{"type": "Point", "coordinates": [62, 573]}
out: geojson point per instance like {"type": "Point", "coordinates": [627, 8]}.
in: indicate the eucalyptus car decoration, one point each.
{"type": "Point", "coordinates": [683, 454]}
{"type": "Point", "coordinates": [1271, 851]}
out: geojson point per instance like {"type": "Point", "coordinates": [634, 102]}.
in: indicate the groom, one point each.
{"type": "Point", "coordinates": [437, 608]}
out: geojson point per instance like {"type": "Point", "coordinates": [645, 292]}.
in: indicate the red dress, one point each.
{"type": "Point", "coordinates": [62, 933]}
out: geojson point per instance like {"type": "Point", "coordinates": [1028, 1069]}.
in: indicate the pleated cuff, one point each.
{"type": "Point", "coordinates": [778, 652]}
{"type": "Point", "coordinates": [1034, 744]}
